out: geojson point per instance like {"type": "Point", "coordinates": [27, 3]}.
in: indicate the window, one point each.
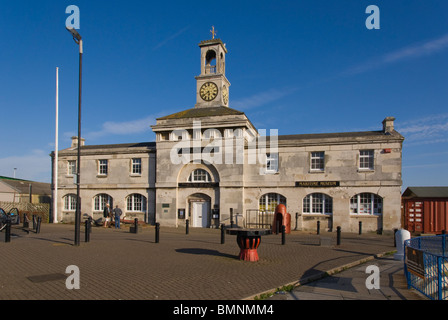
{"type": "Point", "coordinates": [366, 203]}
{"type": "Point", "coordinates": [199, 175]}
{"type": "Point", "coordinates": [366, 160]}
{"type": "Point", "coordinates": [70, 202]}
{"type": "Point", "coordinates": [102, 167]}
{"type": "Point", "coordinates": [318, 203]}
{"type": "Point", "coordinates": [71, 167]}
{"type": "Point", "coordinates": [136, 202]}
{"type": "Point", "coordinates": [269, 201]}
{"type": "Point", "coordinates": [99, 202]}
{"type": "Point", "coordinates": [179, 135]}
{"type": "Point", "coordinates": [272, 162]}
{"type": "Point", "coordinates": [136, 166]}
{"type": "Point", "coordinates": [317, 161]}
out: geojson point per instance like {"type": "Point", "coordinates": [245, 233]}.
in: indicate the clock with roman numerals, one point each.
{"type": "Point", "coordinates": [208, 91]}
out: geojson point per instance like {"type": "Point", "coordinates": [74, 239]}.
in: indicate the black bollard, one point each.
{"type": "Point", "coordinates": [26, 223]}
{"type": "Point", "coordinates": [283, 234]}
{"type": "Point", "coordinates": [297, 219]}
{"type": "Point", "coordinates": [34, 222]}
{"type": "Point", "coordinates": [318, 227]}
{"type": "Point", "coordinates": [360, 227]}
{"type": "Point", "coordinates": [157, 232]}
{"type": "Point", "coordinates": [39, 221]}
{"type": "Point", "coordinates": [136, 225]}
{"type": "Point", "coordinates": [87, 230]}
{"type": "Point", "coordinates": [338, 238]}
{"type": "Point", "coordinates": [8, 230]}
{"type": "Point", "coordinates": [187, 226]}
{"type": "Point", "coordinates": [223, 233]}
{"type": "Point", "coordinates": [395, 237]}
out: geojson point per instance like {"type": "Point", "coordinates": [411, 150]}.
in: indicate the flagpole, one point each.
{"type": "Point", "coordinates": [55, 198]}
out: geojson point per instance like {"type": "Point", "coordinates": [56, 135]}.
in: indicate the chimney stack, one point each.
{"type": "Point", "coordinates": [75, 142]}
{"type": "Point", "coordinates": [388, 125]}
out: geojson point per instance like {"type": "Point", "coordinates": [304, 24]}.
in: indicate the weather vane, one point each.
{"type": "Point", "coordinates": [213, 32]}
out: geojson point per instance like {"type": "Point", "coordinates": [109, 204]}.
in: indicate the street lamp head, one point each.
{"type": "Point", "coordinates": [75, 34]}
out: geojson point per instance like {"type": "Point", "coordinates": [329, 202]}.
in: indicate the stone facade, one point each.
{"type": "Point", "coordinates": [210, 165]}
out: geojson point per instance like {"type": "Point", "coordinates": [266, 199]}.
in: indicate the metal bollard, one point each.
{"type": "Point", "coordinates": [223, 233]}
{"type": "Point", "coordinates": [34, 222]}
{"type": "Point", "coordinates": [283, 234]}
{"type": "Point", "coordinates": [136, 225]}
{"type": "Point", "coordinates": [87, 230]}
{"type": "Point", "coordinates": [187, 226]}
{"type": "Point", "coordinates": [318, 227]}
{"type": "Point", "coordinates": [395, 238]}
{"type": "Point", "coordinates": [360, 227]}
{"type": "Point", "coordinates": [8, 230]}
{"type": "Point", "coordinates": [26, 224]}
{"type": "Point", "coordinates": [157, 232]}
{"type": "Point", "coordinates": [39, 221]}
{"type": "Point", "coordinates": [338, 237]}
{"type": "Point", "coordinates": [297, 219]}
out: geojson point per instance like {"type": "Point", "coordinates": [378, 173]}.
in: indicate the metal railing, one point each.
{"type": "Point", "coordinates": [258, 219]}
{"type": "Point", "coordinates": [426, 265]}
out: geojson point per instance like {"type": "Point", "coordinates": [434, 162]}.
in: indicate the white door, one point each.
{"type": "Point", "coordinates": [200, 214]}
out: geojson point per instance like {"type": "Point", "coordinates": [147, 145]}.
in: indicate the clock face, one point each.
{"type": "Point", "coordinates": [208, 91]}
{"type": "Point", "coordinates": [225, 95]}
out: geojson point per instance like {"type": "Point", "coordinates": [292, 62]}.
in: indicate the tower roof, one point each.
{"type": "Point", "coordinates": [202, 112]}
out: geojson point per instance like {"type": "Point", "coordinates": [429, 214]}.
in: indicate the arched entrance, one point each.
{"type": "Point", "coordinates": [199, 210]}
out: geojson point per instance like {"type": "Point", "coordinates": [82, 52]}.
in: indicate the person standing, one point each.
{"type": "Point", "coordinates": [107, 215]}
{"type": "Point", "coordinates": [117, 213]}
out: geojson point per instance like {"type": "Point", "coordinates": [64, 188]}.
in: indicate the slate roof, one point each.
{"type": "Point", "coordinates": [426, 192]}
{"type": "Point", "coordinates": [23, 186]}
{"type": "Point", "coordinates": [202, 112]}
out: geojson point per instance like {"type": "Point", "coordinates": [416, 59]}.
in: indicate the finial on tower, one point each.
{"type": "Point", "coordinates": [213, 32]}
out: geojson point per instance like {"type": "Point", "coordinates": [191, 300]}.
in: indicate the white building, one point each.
{"type": "Point", "coordinates": [209, 161]}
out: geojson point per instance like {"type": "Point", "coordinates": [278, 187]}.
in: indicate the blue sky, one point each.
{"type": "Point", "coordinates": [296, 66]}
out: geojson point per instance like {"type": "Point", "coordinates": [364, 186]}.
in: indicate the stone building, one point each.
{"type": "Point", "coordinates": [210, 165]}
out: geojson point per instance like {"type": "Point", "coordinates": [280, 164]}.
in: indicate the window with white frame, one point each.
{"type": "Point", "coordinates": [70, 202]}
{"type": "Point", "coordinates": [272, 162]}
{"type": "Point", "coordinates": [318, 203]}
{"type": "Point", "coordinates": [71, 167]}
{"type": "Point", "coordinates": [366, 203]}
{"type": "Point", "coordinates": [317, 161]}
{"type": "Point", "coordinates": [102, 167]}
{"type": "Point", "coordinates": [136, 166]}
{"type": "Point", "coordinates": [199, 175]}
{"type": "Point", "coordinates": [366, 160]}
{"type": "Point", "coordinates": [269, 201]}
{"type": "Point", "coordinates": [136, 202]}
{"type": "Point", "coordinates": [100, 200]}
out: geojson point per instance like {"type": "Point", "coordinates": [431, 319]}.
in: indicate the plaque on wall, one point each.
{"type": "Point", "coordinates": [317, 184]}
{"type": "Point", "coordinates": [198, 184]}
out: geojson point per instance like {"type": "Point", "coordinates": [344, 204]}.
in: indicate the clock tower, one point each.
{"type": "Point", "coordinates": [212, 86]}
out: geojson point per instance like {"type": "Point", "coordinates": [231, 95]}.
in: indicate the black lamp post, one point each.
{"type": "Point", "coordinates": [78, 40]}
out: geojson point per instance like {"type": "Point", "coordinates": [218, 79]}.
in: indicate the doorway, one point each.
{"type": "Point", "coordinates": [199, 213]}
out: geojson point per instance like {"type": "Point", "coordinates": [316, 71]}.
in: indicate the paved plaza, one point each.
{"type": "Point", "coordinates": [117, 264]}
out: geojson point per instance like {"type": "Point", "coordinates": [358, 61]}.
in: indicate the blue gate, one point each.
{"type": "Point", "coordinates": [426, 265]}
